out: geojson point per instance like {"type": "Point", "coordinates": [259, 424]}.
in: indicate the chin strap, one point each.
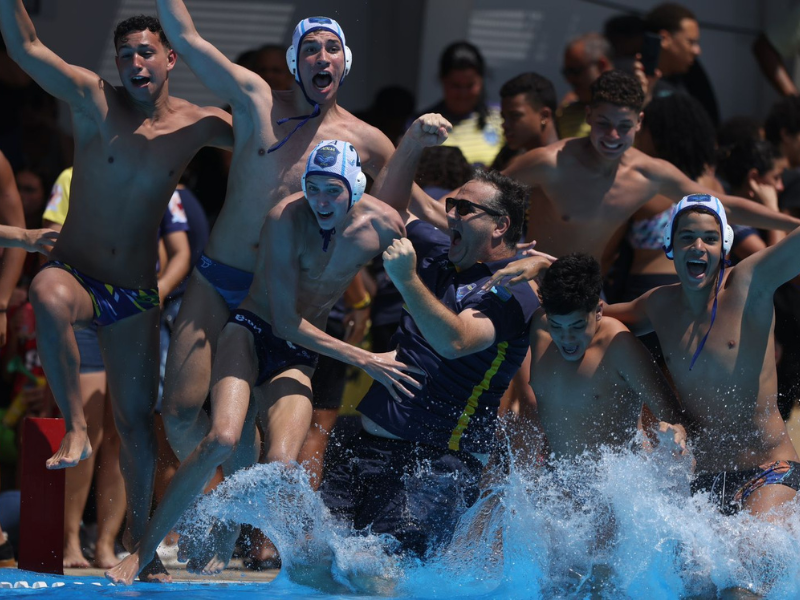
{"type": "Point", "coordinates": [306, 119]}
{"type": "Point", "coordinates": [326, 234]}
{"type": "Point", "coordinates": [713, 312]}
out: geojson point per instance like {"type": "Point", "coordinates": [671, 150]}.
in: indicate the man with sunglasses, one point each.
{"type": "Point", "coordinates": [416, 465]}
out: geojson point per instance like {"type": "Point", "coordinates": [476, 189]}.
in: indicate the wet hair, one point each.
{"type": "Point", "coordinates": [618, 88]}
{"type": "Point", "coordinates": [784, 114]}
{"type": "Point", "coordinates": [736, 161]}
{"type": "Point", "coordinates": [682, 133]}
{"type": "Point", "coordinates": [443, 166]}
{"type": "Point", "coordinates": [463, 55]}
{"type": "Point", "coordinates": [738, 129]}
{"type": "Point", "coordinates": [571, 283]}
{"type": "Point", "coordinates": [509, 200]}
{"type": "Point", "coordinates": [667, 17]}
{"type": "Point", "coordinates": [140, 23]}
{"type": "Point", "coordinates": [539, 91]}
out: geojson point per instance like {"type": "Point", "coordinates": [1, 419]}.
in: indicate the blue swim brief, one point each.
{"type": "Point", "coordinates": [274, 354]}
{"type": "Point", "coordinates": [111, 303]}
{"type": "Point", "coordinates": [231, 283]}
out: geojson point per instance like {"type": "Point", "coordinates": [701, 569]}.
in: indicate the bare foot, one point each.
{"type": "Point", "coordinates": [105, 557]}
{"type": "Point", "coordinates": [74, 448]}
{"type": "Point", "coordinates": [216, 555]}
{"type": "Point", "coordinates": [74, 558]}
{"type": "Point", "coordinates": [125, 571]}
{"type": "Point", "coordinates": [155, 572]}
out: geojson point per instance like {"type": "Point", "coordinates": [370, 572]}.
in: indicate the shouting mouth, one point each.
{"type": "Point", "coordinates": [696, 268]}
{"type": "Point", "coordinates": [322, 80]}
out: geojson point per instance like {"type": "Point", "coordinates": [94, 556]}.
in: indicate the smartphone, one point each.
{"type": "Point", "coordinates": [651, 49]}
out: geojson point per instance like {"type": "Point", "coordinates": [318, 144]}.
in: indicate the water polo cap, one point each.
{"type": "Point", "coordinates": [708, 203]}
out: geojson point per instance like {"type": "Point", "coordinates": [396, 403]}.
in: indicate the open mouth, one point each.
{"type": "Point", "coordinates": [322, 80]}
{"type": "Point", "coordinates": [609, 146]}
{"type": "Point", "coordinates": [140, 80]}
{"type": "Point", "coordinates": [455, 237]}
{"type": "Point", "coordinates": [696, 268]}
{"type": "Point", "coordinates": [570, 350]}
{"type": "Point", "coordinates": [325, 215]}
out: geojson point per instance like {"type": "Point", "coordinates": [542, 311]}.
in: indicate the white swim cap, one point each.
{"type": "Point", "coordinates": [707, 203]}
{"type": "Point", "coordinates": [305, 27]}
{"type": "Point", "coordinates": [336, 158]}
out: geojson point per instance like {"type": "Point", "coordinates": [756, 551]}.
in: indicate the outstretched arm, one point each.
{"type": "Point", "coordinates": [773, 266]}
{"type": "Point", "coordinates": [394, 183]}
{"type": "Point", "coordinates": [771, 63]}
{"type": "Point", "coordinates": [13, 259]}
{"type": "Point", "coordinates": [632, 314]}
{"type": "Point", "coordinates": [73, 85]}
{"type": "Point", "coordinates": [277, 277]}
{"type": "Point", "coordinates": [229, 81]}
{"type": "Point", "coordinates": [451, 335]}
{"type": "Point", "coordinates": [674, 184]}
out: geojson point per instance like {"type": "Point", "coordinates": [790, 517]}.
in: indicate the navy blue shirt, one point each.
{"type": "Point", "coordinates": [457, 405]}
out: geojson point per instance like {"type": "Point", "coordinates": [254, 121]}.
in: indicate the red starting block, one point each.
{"type": "Point", "coordinates": [41, 528]}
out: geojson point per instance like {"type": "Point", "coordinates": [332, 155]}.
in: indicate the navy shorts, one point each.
{"type": "Point", "coordinates": [274, 354]}
{"type": "Point", "coordinates": [414, 492]}
{"type": "Point", "coordinates": [89, 349]}
{"type": "Point", "coordinates": [231, 283]}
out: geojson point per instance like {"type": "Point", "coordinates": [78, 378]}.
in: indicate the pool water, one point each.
{"type": "Point", "coordinates": [621, 525]}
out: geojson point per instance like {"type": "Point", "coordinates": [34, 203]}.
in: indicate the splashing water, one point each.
{"type": "Point", "coordinates": [617, 524]}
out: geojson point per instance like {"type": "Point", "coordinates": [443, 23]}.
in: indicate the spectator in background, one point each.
{"type": "Point", "coordinates": [528, 108]}
{"type": "Point", "coordinates": [269, 62]}
{"type": "Point", "coordinates": [779, 41]}
{"type": "Point", "coordinates": [390, 111]}
{"type": "Point", "coordinates": [477, 128]}
{"type": "Point", "coordinates": [625, 34]}
{"type": "Point", "coordinates": [680, 48]}
{"type": "Point", "coordinates": [738, 129]}
{"type": "Point", "coordinates": [585, 59]}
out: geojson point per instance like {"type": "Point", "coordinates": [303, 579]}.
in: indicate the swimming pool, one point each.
{"type": "Point", "coordinates": [619, 526]}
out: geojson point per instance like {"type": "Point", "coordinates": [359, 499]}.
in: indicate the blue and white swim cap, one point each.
{"type": "Point", "coordinates": [707, 203]}
{"type": "Point", "coordinates": [305, 27]}
{"type": "Point", "coordinates": [339, 159]}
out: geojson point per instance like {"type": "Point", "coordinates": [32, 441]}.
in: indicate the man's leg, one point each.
{"type": "Point", "coordinates": [767, 499]}
{"type": "Point", "coordinates": [60, 302]}
{"type": "Point", "coordinates": [130, 352]}
{"type": "Point", "coordinates": [110, 489]}
{"type": "Point", "coordinates": [284, 407]}
{"type": "Point", "coordinates": [79, 479]}
{"type": "Point", "coordinates": [187, 380]}
{"type": "Point", "coordinates": [233, 373]}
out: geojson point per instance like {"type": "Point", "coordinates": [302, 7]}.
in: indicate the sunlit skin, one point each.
{"type": "Point", "coordinates": [475, 235]}
{"type": "Point", "coordinates": [132, 144]}
{"type": "Point", "coordinates": [585, 189]}
{"type": "Point", "coordinates": [258, 181]}
{"type": "Point", "coordinates": [730, 393]}
{"type": "Point", "coordinates": [329, 199]}
{"type": "Point", "coordinates": [590, 376]}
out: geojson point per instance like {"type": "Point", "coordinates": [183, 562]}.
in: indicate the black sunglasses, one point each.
{"type": "Point", "coordinates": [465, 207]}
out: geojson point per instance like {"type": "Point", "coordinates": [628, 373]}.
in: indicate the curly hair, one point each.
{"type": "Point", "coordinates": [443, 166]}
{"type": "Point", "coordinates": [682, 133]}
{"type": "Point", "coordinates": [736, 161]}
{"type": "Point", "coordinates": [618, 88]}
{"type": "Point", "coordinates": [571, 283]}
{"type": "Point", "coordinates": [784, 114]}
{"type": "Point", "coordinates": [140, 23]}
{"type": "Point", "coordinates": [509, 200]}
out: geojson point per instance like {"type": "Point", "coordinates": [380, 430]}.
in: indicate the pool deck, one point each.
{"type": "Point", "coordinates": [235, 573]}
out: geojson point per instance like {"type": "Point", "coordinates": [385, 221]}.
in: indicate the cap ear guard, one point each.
{"type": "Point", "coordinates": [291, 60]}
{"type": "Point", "coordinates": [358, 188]}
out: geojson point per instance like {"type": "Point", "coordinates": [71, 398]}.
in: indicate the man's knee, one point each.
{"type": "Point", "coordinates": [220, 444]}
{"type": "Point", "coordinates": [51, 297]}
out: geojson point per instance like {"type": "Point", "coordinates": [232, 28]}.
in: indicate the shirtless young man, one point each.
{"type": "Point", "coordinates": [589, 373]}
{"type": "Point", "coordinates": [716, 330]}
{"type": "Point", "coordinates": [311, 246]}
{"type": "Point", "coordinates": [271, 145]}
{"type": "Point", "coordinates": [132, 144]}
{"type": "Point", "coordinates": [586, 188]}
